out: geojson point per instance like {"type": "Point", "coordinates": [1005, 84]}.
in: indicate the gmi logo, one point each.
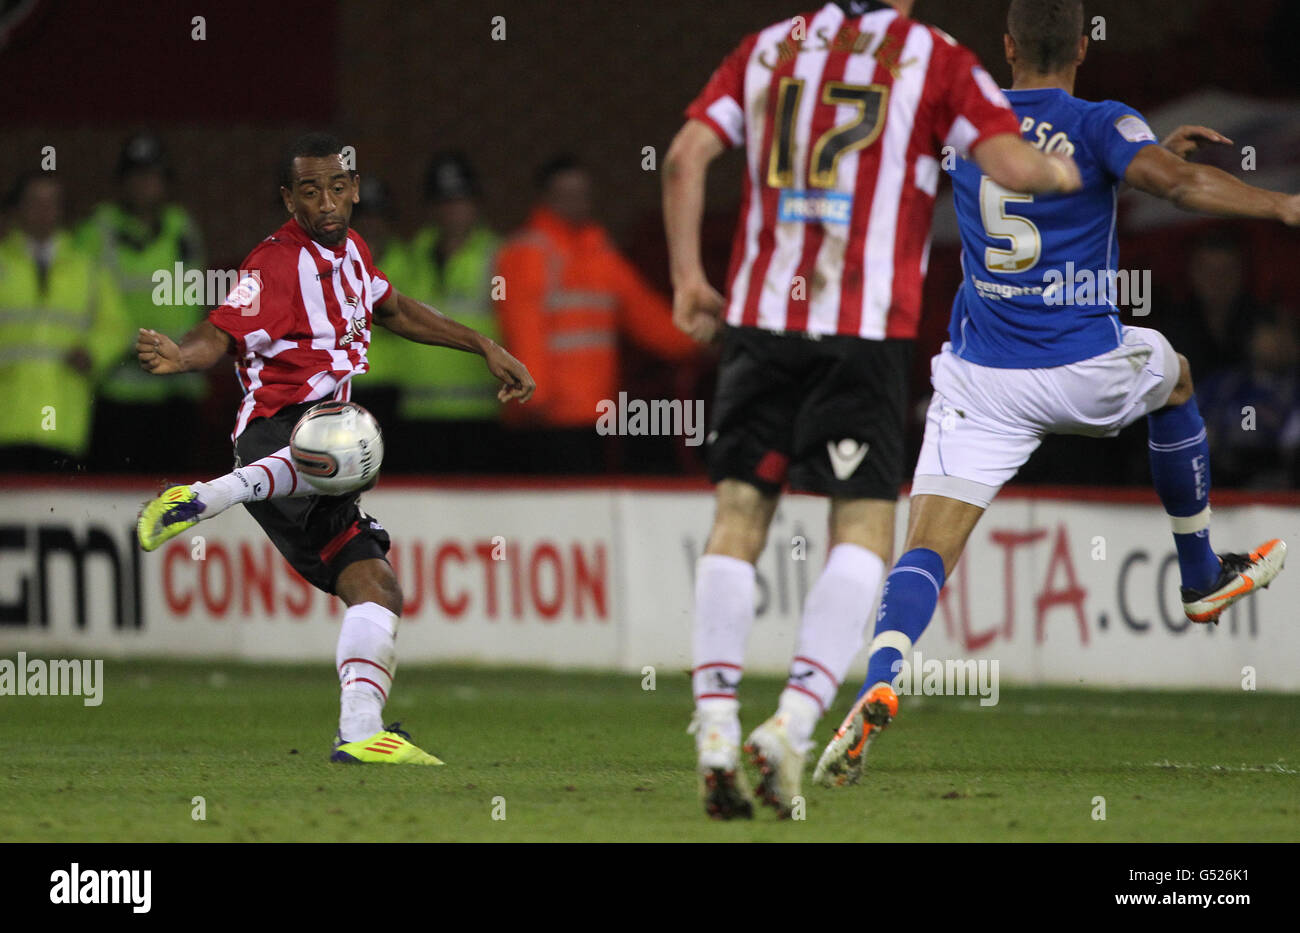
{"type": "Point", "coordinates": [49, 549]}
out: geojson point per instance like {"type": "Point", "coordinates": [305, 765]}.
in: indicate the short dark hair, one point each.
{"type": "Point", "coordinates": [311, 146]}
{"type": "Point", "coordinates": [376, 199]}
{"type": "Point", "coordinates": [555, 165]}
{"type": "Point", "coordinates": [1046, 32]}
{"type": "Point", "coordinates": [143, 152]}
{"type": "Point", "coordinates": [451, 175]}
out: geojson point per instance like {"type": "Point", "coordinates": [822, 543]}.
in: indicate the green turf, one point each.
{"type": "Point", "coordinates": [594, 757]}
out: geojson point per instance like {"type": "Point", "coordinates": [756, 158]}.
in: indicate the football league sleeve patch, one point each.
{"type": "Point", "coordinates": [1120, 133]}
{"type": "Point", "coordinates": [719, 105]}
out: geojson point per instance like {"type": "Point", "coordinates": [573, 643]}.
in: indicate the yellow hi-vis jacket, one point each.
{"type": "Point", "coordinates": [46, 401]}
{"type": "Point", "coordinates": [149, 270]}
{"type": "Point", "coordinates": [438, 383]}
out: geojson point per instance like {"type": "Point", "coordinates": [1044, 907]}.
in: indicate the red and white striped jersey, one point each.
{"type": "Point", "coordinates": [844, 120]}
{"type": "Point", "coordinates": [300, 317]}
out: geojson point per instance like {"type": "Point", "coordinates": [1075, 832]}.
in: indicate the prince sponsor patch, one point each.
{"type": "Point", "coordinates": [828, 207]}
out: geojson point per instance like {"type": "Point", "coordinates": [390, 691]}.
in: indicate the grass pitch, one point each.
{"type": "Point", "coordinates": [589, 757]}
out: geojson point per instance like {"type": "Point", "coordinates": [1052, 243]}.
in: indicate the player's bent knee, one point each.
{"type": "Point", "coordinates": [741, 517]}
{"type": "Point", "coordinates": [370, 581]}
{"type": "Point", "coordinates": [867, 523]}
{"type": "Point", "coordinates": [1184, 389]}
{"type": "Point", "coordinates": [737, 537]}
{"type": "Point", "coordinates": [943, 525]}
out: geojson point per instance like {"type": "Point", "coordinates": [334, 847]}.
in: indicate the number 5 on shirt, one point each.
{"type": "Point", "coordinates": [1026, 241]}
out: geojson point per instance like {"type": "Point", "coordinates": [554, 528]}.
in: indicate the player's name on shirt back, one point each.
{"type": "Point", "coordinates": [849, 39]}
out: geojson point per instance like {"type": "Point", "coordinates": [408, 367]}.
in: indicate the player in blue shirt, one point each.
{"type": "Point", "coordinates": [1035, 347]}
{"type": "Point", "coordinates": [1009, 312]}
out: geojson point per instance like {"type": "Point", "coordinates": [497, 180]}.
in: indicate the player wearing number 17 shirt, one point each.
{"type": "Point", "coordinates": [1035, 347]}
{"type": "Point", "coordinates": [845, 113]}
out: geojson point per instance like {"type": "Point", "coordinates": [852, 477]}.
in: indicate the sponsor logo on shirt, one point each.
{"type": "Point", "coordinates": [356, 325]}
{"type": "Point", "coordinates": [999, 290]}
{"type": "Point", "coordinates": [827, 207]}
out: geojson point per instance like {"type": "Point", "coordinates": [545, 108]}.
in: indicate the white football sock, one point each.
{"type": "Point", "coordinates": [724, 614]}
{"type": "Point", "coordinates": [272, 477]}
{"type": "Point", "coordinates": [717, 733]}
{"type": "Point", "coordinates": [835, 616]}
{"type": "Point", "coordinates": [367, 659]}
{"type": "Point", "coordinates": [801, 713]}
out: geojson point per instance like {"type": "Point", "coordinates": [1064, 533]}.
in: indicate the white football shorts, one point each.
{"type": "Point", "coordinates": [983, 423]}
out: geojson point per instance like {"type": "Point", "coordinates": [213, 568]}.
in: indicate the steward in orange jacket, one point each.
{"type": "Point", "coordinates": [569, 296]}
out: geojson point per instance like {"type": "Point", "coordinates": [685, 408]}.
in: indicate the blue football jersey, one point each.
{"type": "Point", "coordinates": [1039, 270]}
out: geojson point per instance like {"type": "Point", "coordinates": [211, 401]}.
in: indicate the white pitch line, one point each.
{"type": "Point", "coordinates": [1276, 767]}
{"type": "Point", "coordinates": [1114, 712]}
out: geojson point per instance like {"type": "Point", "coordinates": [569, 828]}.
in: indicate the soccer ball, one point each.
{"type": "Point", "coordinates": [337, 447]}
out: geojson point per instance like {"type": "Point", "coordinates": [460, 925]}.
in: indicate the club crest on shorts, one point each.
{"type": "Point", "coordinates": [846, 456]}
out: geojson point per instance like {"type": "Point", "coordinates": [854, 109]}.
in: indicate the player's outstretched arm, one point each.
{"type": "Point", "coordinates": [416, 321]}
{"type": "Point", "coordinates": [201, 348]}
{"type": "Point", "coordinates": [697, 306]}
{"type": "Point", "coordinates": [1206, 189]}
{"type": "Point", "coordinates": [1018, 166]}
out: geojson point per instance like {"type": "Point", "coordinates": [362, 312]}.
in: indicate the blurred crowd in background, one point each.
{"type": "Point", "coordinates": [1244, 355]}
{"type": "Point", "coordinates": [72, 295]}
{"type": "Point", "coordinates": [464, 177]}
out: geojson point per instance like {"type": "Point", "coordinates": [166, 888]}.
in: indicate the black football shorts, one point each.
{"type": "Point", "coordinates": [318, 535]}
{"type": "Point", "coordinates": [823, 414]}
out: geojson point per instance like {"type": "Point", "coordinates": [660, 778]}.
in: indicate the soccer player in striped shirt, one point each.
{"type": "Point", "coordinates": [845, 114]}
{"type": "Point", "coordinates": [299, 324]}
{"type": "Point", "coordinates": [1024, 360]}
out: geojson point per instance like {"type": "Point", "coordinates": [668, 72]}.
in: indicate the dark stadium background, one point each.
{"type": "Point", "coordinates": [401, 80]}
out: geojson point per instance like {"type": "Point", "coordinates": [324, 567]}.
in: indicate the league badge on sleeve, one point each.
{"type": "Point", "coordinates": [1134, 129]}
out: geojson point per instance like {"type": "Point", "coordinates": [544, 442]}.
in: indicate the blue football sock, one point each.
{"type": "Point", "coordinates": [1180, 471]}
{"type": "Point", "coordinates": [906, 605]}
